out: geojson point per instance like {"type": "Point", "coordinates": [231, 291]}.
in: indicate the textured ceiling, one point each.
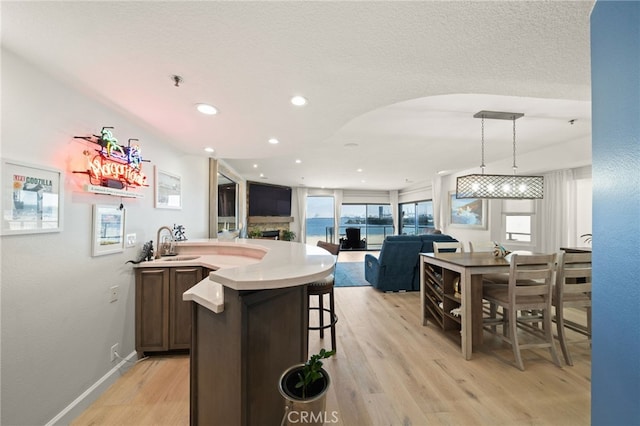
{"type": "Point", "coordinates": [400, 80]}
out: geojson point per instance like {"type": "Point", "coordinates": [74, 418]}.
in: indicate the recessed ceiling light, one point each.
{"type": "Point", "coordinates": [298, 161]}
{"type": "Point", "coordinates": [442, 172]}
{"type": "Point", "coordinates": [209, 149]}
{"type": "Point", "coordinates": [274, 141]}
{"type": "Point", "coordinates": [299, 100]}
{"type": "Point", "coordinates": [359, 170]}
{"type": "Point", "coordinates": [255, 166]}
{"type": "Point", "coordinates": [207, 109]}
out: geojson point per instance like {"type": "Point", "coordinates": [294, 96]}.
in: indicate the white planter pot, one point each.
{"type": "Point", "coordinates": [303, 411]}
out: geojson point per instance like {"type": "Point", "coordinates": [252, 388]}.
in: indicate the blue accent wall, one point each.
{"type": "Point", "coordinates": [615, 73]}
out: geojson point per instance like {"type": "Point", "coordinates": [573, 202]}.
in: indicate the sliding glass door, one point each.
{"type": "Point", "coordinates": [416, 218]}
{"type": "Point", "coordinates": [373, 222]}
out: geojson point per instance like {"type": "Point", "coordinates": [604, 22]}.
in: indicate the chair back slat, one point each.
{"type": "Point", "coordinates": [532, 290]}
{"type": "Point", "coordinates": [527, 301]}
{"type": "Point", "coordinates": [579, 272]}
{"type": "Point", "coordinates": [572, 289]}
{"type": "Point", "coordinates": [450, 247]}
{"type": "Point", "coordinates": [574, 275]}
{"type": "Point", "coordinates": [527, 268]}
{"type": "Point", "coordinates": [481, 246]}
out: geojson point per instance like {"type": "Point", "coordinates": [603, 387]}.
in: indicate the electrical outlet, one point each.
{"type": "Point", "coordinates": [131, 240]}
{"type": "Point", "coordinates": [113, 351]}
{"type": "Point", "coordinates": [114, 293]}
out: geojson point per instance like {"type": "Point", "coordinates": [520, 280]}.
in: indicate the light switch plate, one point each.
{"type": "Point", "coordinates": [113, 293]}
{"type": "Point", "coordinates": [131, 240]}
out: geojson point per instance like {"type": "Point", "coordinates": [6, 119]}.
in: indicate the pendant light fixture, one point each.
{"type": "Point", "coordinates": [499, 186]}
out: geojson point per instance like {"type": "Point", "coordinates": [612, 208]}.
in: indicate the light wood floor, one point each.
{"type": "Point", "coordinates": [389, 370]}
{"type": "Point", "coordinates": [355, 256]}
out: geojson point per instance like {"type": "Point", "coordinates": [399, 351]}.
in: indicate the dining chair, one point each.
{"type": "Point", "coordinates": [481, 246]}
{"type": "Point", "coordinates": [447, 247]}
{"type": "Point", "coordinates": [524, 303]}
{"type": "Point", "coordinates": [320, 288]}
{"type": "Point", "coordinates": [487, 247]}
{"type": "Point", "coordinates": [572, 290]}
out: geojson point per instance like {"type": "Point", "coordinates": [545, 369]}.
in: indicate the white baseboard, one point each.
{"type": "Point", "coordinates": [81, 403]}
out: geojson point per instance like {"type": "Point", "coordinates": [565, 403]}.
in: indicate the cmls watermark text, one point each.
{"type": "Point", "coordinates": [302, 417]}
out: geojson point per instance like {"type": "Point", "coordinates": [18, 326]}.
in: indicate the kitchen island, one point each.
{"type": "Point", "coordinates": [249, 324]}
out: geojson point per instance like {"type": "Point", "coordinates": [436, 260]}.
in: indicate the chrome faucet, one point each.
{"type": "Point", "coordinates": [164, 247]}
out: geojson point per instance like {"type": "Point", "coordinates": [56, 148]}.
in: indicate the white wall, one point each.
{"type": "Point", "coordinates": [416, 193]}
{"type": "Point", "coordinates": [57, 323]}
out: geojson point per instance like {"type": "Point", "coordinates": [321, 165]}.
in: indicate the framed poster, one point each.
{"type": "Point", "coordinates": [168, 190]}
{"type": "Point", "coordinates": [467, 212]}
{"type": "Point", "coordinates": [108, 230]}
{"type": "Point", "coordinates": [31, 198]}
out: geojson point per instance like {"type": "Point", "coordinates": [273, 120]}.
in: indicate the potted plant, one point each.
{"type": "Point", "coordinates": [304, 388]}
{"type": "Point", "coordinates": [288, 235]}
{"type": "Point", "coordinates": [255, 233]}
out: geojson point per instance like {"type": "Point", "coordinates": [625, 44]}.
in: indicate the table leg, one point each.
{"type": "Point", "coordinates": [423, 312]}
{"type": "Point", "coordinates": [476, 309]}
{"type": "Point", "coordinates": [466, 333]}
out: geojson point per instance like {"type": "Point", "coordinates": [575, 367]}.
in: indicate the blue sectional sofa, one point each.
{"type": "Point", "coordinates": [397, 266]}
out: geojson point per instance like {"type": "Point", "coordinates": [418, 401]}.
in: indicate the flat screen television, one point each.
{"type": "Point", "coordinates": [269, 200]}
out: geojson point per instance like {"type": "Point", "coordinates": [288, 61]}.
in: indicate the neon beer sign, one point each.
{"type": "Point", "coordinates": [115, 164]}
{"type": "Point", "coordinates": [101, 168]}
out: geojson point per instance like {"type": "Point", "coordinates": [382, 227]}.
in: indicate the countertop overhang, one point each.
{"type": "Point", "coordinates": [243, 264]}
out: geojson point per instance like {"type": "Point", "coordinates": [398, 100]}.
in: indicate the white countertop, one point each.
{"type": "Point", "coordinates": [246, 264]}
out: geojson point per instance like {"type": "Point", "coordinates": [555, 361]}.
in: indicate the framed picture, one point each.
{"type": "Point", "coordinates": [108, 230]}
{"type": "Point", "coordinates": [168, 190]}
{"type": "Point", "coordinates": [31, 198]}
{"type": "Point", "coordinates": [467, 212]}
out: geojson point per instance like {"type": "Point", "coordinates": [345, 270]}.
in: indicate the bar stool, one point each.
{"type": "Point", "coordinates": [533, 300]}
{"type": "Point", "coordinates": [320, 288]}
{"type": "Point", "coordinates": [572, 290]}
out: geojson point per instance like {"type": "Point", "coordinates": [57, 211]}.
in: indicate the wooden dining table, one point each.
{"type": "Point", "coordinates": [471, 267]}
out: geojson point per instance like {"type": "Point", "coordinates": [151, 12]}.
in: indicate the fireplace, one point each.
{"type": "Point", "coordinates": [273, 235]}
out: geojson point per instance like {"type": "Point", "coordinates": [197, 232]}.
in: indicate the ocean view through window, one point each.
{"type": "Point", "coordinates": [374, 221]}
{"type": "Point", "coordinates": [320, 219]}
{"type": "Point", "coordinates": [417, 217]}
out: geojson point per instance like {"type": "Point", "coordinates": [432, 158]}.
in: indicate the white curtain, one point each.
{"type": "Point", "coordinates": [302, 213]}
{"type": "Point", "coordinates": [337, 212]}
{"type": "Point", "coordinates": [557, 207]}
{"type": "Point", "coordinates": [439, 203]}
{"type": "Point", "coordinates": [393, 200]}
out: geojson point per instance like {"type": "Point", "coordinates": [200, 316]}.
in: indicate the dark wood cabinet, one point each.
{"type": "Point", "coordinates": [238, 355]}
{"type": "Point", "coordinates": [163, 319]}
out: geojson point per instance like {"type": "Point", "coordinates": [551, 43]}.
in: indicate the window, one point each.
{"type": "Point", "coordinates": [320, 219]}
{"type": "Point", "coordinates": [374, 221]}
{"type": "Point", "coordinates": [518, 228]}
{"type": "Point", "coordinates": [517, 222]}
{"type": "Point", "coordinates": [416, 218]}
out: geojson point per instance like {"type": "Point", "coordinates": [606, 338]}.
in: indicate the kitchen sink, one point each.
{"type": "Point", "coordinates": [178, 258]}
